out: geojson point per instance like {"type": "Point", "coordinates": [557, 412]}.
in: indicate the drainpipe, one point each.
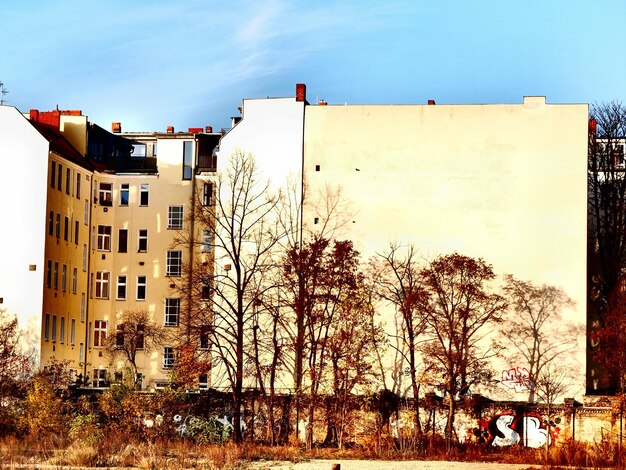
{"type": "Point", "coordinates": [87, 296]}
{"type": "Point", "coordinates": [192, 237]}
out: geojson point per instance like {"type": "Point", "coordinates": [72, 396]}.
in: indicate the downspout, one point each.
{"type": "Point", "coordinates": [192, 237]}
{"type": "Point", "coordinates": [87, 293]}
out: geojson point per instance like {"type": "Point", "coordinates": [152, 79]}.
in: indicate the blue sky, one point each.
{"type": "Point", "coordinates": [189, 63]}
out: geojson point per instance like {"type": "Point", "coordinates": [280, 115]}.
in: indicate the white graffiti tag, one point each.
{"type": "Point", "coordinates": [518, 379]}
{"type": "Point", "coordinates": [526, 430]}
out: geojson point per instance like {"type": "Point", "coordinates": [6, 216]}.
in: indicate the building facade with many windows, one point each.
{"type": "Point", "coordinates": [111, 233]}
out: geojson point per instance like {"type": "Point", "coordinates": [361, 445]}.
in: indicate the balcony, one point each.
{"type": "Point", "coordinates": [206, 163]}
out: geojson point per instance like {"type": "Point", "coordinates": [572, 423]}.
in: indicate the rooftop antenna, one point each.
{"type": "Point", "coordinates": [3, 93]}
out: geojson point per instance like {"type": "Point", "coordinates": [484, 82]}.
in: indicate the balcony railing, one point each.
{"type": "Point", "coordinates": [206, 163]}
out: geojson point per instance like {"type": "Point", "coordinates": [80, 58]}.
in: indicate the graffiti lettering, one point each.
{"type": "Point", "coordinates": [528, 430]}
{"type": "Point", "coordinates": [518, 379]}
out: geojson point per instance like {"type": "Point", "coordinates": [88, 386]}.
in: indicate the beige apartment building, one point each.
{"type": "Point", "coordinates": [107, 220]}
{"type": "Point", "coordinates": [504, 182]}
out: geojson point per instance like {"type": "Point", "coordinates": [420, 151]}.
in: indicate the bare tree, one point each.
{"type": "Point", "coordinates": [458, 313]}
{"type": "Point", "coordinates": [399, 282]}
{"type": "Point", "coordinates": [14, 362]}
{"type": "Point", "coordinates": [607, 242]}
{"type": "Point", "coordinates": [534, 327]}
{"type": "Point", "coordinates": [135, 333]}
{"type": "Point", "coordinates": [245, 237]}
{"type": "Point", "coordinates": [550, 385]}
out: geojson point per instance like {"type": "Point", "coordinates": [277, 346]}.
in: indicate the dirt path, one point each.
{"type": "Point", "coordinates": [390, 465]}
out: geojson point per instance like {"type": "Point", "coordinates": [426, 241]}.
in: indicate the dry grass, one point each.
{"type": "Point", "coordinates": [118, 450]}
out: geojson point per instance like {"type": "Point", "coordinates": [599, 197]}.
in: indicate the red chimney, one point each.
{"type": "Point", "coordinates": [170, 129]}
{"type": "Point", "coordinates": [593, 124]}
{"type": "Point", "coordinates": [34, 115]}
{"type": "Point", "coordinates": [300, 92]}
{"type": "Point", "coordinates": [322, 103]}
{"type": "Point", "coordinates": [195, 130]}
{"type": "Point", "coordinates": [208, 129]}
{"type": "Point", "coordinates": [116, 127]}
{"type": "Point", "coordinates": [431, 102]}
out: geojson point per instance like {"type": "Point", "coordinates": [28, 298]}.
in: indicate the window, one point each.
{"type": "Point", "coordinates": [144, 194]}
{"type": "Point", "coordinates": [60, 178]}
{"type": "Point", "coordinates": [175, 217]}
{"type": "Point", "coordinates": [49, 274]}
{"type": "Point", "coordinates": [138, 151]}
{"type": "Point", "coordinates": [122, 240]}
{"type": "Point", "coordinates": [172, 312]}
{"type": "Point", "coordinates": [54, 328]}
{"type": "Point", "coordinates": [76, 226]}
{"type": "Point", "coordinates": [105, 196]}
{"type": "Point", "coordinates": [203, 381]}
{"type": "Point", "coordinates": [187, 158]}
{"type": "Point", "coordinates": [77, 185]}
{"type": "Point", "coordinates": [66, 228]}
{"type": "Point", "coordinates": [82, 306]}
{"type": "Point", "coordinates": [62, 332]}
{"type": "Point", "coordinates": [141, 287]}
{"type": "Point", "coordinates": [168, 357]}
{"type": "Point", "coordinates": [100, 378]}
{"type": "Point", "coordinates": [142, 240]}
{"type": "Point", "coordinates": [56, 274]}
{"type": "Point", "coordinates": [68, 181]}
{"type": "Point", "coordinates": [124, 194]}
{"type": "Point", "coordinates": [57, 232]}
{"type": "Point", "coordinates": [174, 263]}
{"type": "Point", "coordinates": [140, 338]}
{"type": "Point", "coordinates": [119, 336]}
{"type": "Point", "coordinates": [207, 240]}
{"type": "Point", "coordinates": [73, 332]}
{"type": "Point", "coordinates": [121, 287]}
{"type": "Point", "coordinates": [104, 238]}
{"type": "Point", "coordinates": [205, 293]}
{"type": "Point", "coordinates": [51, 223]}
{"type": "Point", "coordinates": [46, 327]}
{"type": "Point", "coordinates": [102, 285]}
{"type": "Point", "coordinates": [207, 194]}
{"type": "Point", "coordinates": [63, 277]}
{"type": "Point", "coordinates": [86, 213]}
{"type": "Point", "coordinates": [204, 337]}
{"type": "Point", "coordinates": [84, 257]}
{"type": "Point", "coordinates": [99, 333]}
{"type": "Point", "coordinates": [53, 174]}
{"type": "Point", "coordinates": [74, 280]}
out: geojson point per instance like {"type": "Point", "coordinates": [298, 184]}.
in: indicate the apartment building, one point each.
{"type": "Point", "coordinates": [97, 236]}
{"type": "Point", "coordinates": [505, 182]}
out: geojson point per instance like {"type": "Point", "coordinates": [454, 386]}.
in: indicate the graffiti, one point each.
{"type": "Point", "coordinates": [529, 430]}
{"type": "Point", "coordinates": [517, 379]}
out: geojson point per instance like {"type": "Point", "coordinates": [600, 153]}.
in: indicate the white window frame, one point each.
{"type": "Point", "coordinates": [144, 189]}
{"type": "Point", "coordinates": [74, 280]}
{"type": "Point", "coordinates": [142, 236]}
{"type": "Point", "coordinates": [124, 189]}
{"type": "Point", "coordinates": [102, 284]}
{"type": "Point", "coordinates": [121, 284]}
{"type": "Point", "coordinates": [168, 358]}
{"type": "Point", "coordinates": [174, 263]}
{"type": "Point", "coordinates": [105, 194]}
{"type": "Point", "coordinates": [104, 237]}
{"type": "Point", "coordinates": [100, 331]}
{"type": "Point", "coordinates": [172, 311]}
{"type": "Point", "coordinates": [207, 240]}
{"type": "Point", "coordinates": [175, 217]}
{"type": "Point", "coordinates": [142, 284]}
{"type": "Point", "coordinates": [100, 378]}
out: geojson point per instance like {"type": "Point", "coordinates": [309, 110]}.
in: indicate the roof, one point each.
{"type": "Point", "coordinates": [60, 145]}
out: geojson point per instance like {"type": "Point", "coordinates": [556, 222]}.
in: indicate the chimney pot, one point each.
{"type": "Point", "coordinates": [116, 127]}
{"type": "Point", "coordinates": [208, 129]}
{"type": "Point", "coordinates": [34, 115]}
{"type": "Point", "coordinates": [322, 103]}
{"type": "Point", "coordinates": [431, 102]}
{"type": "Point", "coordinates": [170, 129]}
{"type": "Point", "coordinates": [593, 125]}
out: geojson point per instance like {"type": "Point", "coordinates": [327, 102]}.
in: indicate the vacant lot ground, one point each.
{"type": "Point", "coordinates": [390, 465]}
